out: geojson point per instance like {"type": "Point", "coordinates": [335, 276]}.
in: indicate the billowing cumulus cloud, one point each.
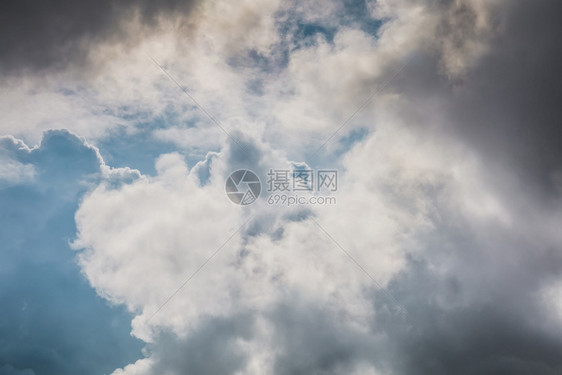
{"type": "Point", "coordinates": [442, 253]}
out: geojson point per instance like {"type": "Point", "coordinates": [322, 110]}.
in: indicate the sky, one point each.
{"type": "Point", "coordinates": [125, 249]}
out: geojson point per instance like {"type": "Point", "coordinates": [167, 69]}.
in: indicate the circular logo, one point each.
{"type": "Point", "coordinates": [243, 187]}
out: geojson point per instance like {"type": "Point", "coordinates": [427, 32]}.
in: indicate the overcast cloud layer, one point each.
{"type": "Point", "coordinates": [122, 254]}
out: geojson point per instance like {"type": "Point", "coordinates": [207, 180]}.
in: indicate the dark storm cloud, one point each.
{"type": "Point", "coordinates": [506, 332]}
{"type": "Point", "coordinates": [512, 108]}
{"type": "Point", "coordinates": [507, 106]}
{"type": "Point", "coordinates": [42, 35]}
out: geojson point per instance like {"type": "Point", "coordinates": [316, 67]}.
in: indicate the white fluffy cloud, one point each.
{"type": "Point", "coordinates": [144, 239]}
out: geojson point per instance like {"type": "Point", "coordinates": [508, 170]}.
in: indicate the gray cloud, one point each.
{"type": "Point", "coordinates": [506, 332]}
{"type": "Point", "coordinates": [211, 349]}
{"type": "Point", "coordinates": [37, 36]}
{"type": "Point", "coordinates": [485, 314]}
{"type": "Point", "coordinates": [507, 105]}
{"type": "Point", "coordinates": [311, 340]}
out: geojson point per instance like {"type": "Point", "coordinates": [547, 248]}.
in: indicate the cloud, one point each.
{"type": "Point", "coordinates": [37, 37]}
{"type": "Point", "coordinates": [282, 270]}
{"type": "Point", "coordinates": [449, 199]}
